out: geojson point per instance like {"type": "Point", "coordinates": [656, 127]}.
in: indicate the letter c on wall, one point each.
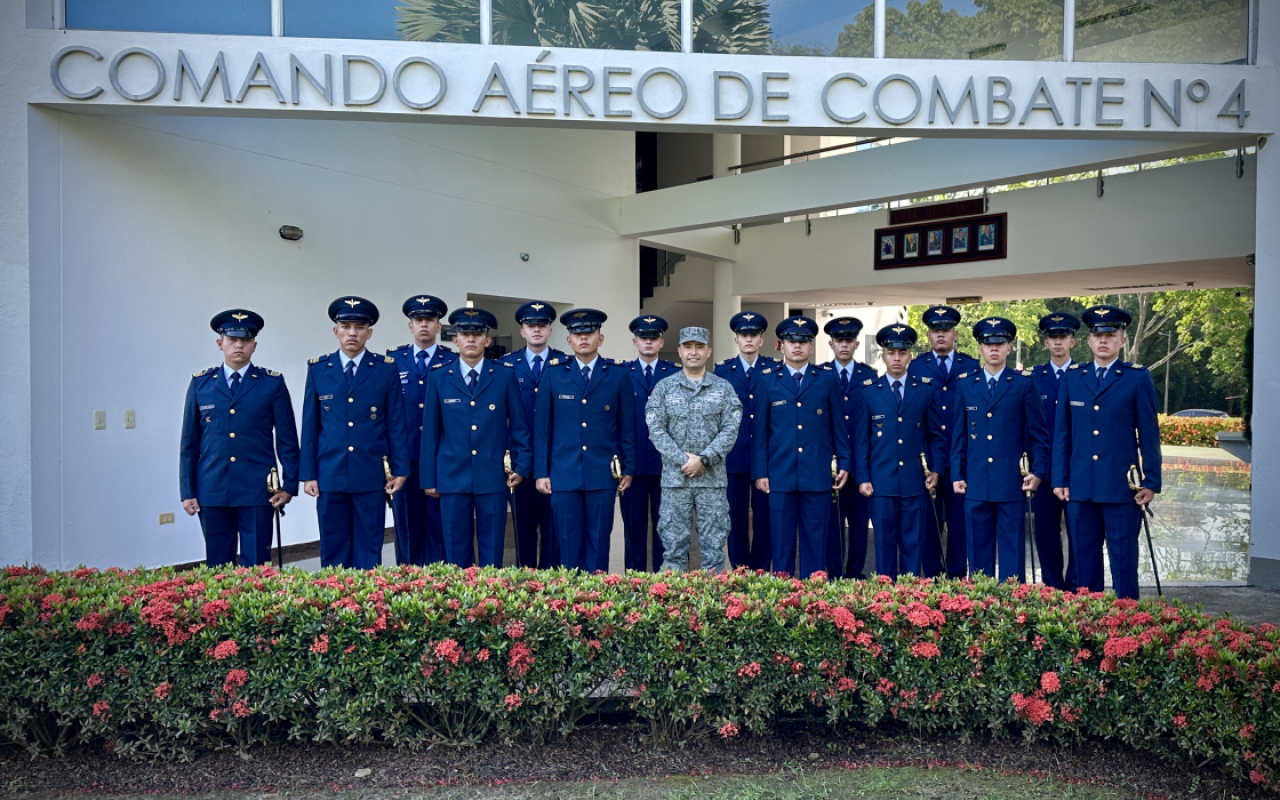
{"type": "Point", "coordinates": [55, 72]}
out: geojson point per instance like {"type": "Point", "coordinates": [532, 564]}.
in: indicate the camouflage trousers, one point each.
{"type": "Point", "coordinates": [675, 526]}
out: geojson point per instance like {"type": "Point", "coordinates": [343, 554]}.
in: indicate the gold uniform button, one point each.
{"type": "Point", "coordinates": [584, 447]}
{"type": "Point", "coordinates": [233, 459]}
{"type": "Point", "coordinates": [751, 397]}
{"type": "Point", "coordinates": [989, 460]}
{"type": "Point", "coordinates": [944, 427]}
{"type": "Point", "coordinates": [420, 383]}
{"type": "Point", "coordinates": [988, 413]}
{"type": "Point", "coordinates": [584, 424]}
{"type": "Point", "coordinates": [899, 419]}
{"type": "Point", "coordinates": [421, 405]}
{"type": "Point", "coordinates": [1095, 408]}
{"type": "Point", "coordinates": [879, 433]}
{"type": "Point", "coordinates": [988, 437]}
{"type": "Point", "coordinates": [492, 407]}
{"type": "Point", "coordinates": [944, 408]}
{"type": "Point", "coordinates": [799, 427]}
{"type": "Point", "coordinates": [1095, 433]}
{"type": "Point", "coordinates": [351, 424]}
{"type": "Point", "coordinates": [473, 452]}
{"type": "Point", "coordinates": [584, 401]}
{"type": "Point", "coordinates": [419, 427]}
{"type": "Point", "coordinates": [373, 416]}
{"type": "Point", "coordinates": [350, 449]}
{"type": "Point", "coordinates": [800, 449]}
{"type": "Point", "coordinates": [819, 412]}
{"type": "Point", "coordinates": [232, 435]}
{"type": "Point", "coordinates": [373, 408]}
{"type": "Point", "coordinates": [899, 463]}
{"type": "Point", "coordinates": [846, 416]}
{"type": "Point", "coordinates": [899, 441]}
{"type": "Point", "coordinates": [473, 427]}
{"type": "Point", "coordinates": [944, 388]}
{"type": "Point", "coordinates": [233, 411]}
{"type": "Point", "coordinates": [473, 402]}
{"type": "Point", "coordinates": [798, 404]}
{"type": "Point", "coordinates": [351, 399]}
{"type": "Point", "coordinates": [1095, 458]}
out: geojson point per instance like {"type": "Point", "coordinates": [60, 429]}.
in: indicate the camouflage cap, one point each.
{"type": "Point", "coordinates": [695, 334]}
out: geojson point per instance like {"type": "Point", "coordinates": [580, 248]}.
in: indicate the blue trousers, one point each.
{"type": "Point", "coordinates": [352, 527]}
{"type": "Point", "coordinates": [952, 514]}
{"type": "Point", "coordinates": [223, 525]}
{"type": "Point", "coordinates": [900, 533]}
{"type": "Point", "coordinates": [536, 544]}
{"type": "Point", "coordinates": [478, 517]}
{"type": "Point", "coordinates": [584, 523]}
{"type": "Point", "coordinates": [1116, 524]}
{"type": "Point", "coordinates": [853, 511]}
{"type": "Point", "coordinates": [802, 514]}
{"type": "Point", "coordinates": [641, 504]}
{"type": "Point", "coordinates": [997, 534]}
{"type": "Point", "coordinates": [749, 524]}
{"type": "Point", "coordinates": [1050, 512]}
{"type": "Point", "coordinates": [419, 539]}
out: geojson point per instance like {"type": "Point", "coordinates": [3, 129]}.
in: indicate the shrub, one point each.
{"type": "Point", "coordinates": [158, 664]}
{"type": "Point", "coordinates": [1196, 431]}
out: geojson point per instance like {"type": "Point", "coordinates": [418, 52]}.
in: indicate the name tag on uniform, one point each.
{"type": "Point", "coordinates": [970, 408]}
{"type": "Point", "coordinates": [1077, 403]}
{"type": "Point", "coordinates": [778, 403]}
{"type": "Point", "coordinates": [206, 408]}
{"type": "Point", "coordinates": [877, 416]}
{"type": "Point", "coordinates": [564, 397]}
{"type": "Point", "coordinates": [1044, 397]}
{"type": "Point", "coordinates": [326, 397]}
{"type": "Point", "coordinates": [449, 400]}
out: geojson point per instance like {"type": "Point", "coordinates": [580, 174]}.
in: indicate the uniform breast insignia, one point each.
{"type": "Point", "coordinates": [868, 382]}
{"type": "Point", "coordinates": [962, 376]}
{"type": "Point", "coordinates": [1137, 366]}
{"type": "Point", "coordinates": [437, 366]}
{"type": "Point", "coordinates": [555, 362]}
{"type": "Point", "coordinates": [272, 373]}
{"type": "Point", "coordinates": [766, 372]}
{"type": "Point", "coordinates": [1026, 373]}
{"type": "Point", "coordinates": [389, 359]}
{"type": "Point", "coordinates": [507, 364]}
{"type": "Point", "coordinates": [617, 362]}
{"type": "Point", "coordinates": [926, 380]}
{"type": "Point", "coordinates": [1074, 366]}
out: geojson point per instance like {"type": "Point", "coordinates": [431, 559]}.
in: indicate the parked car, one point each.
{"type": "Point", "coordinates": [1200, 412]}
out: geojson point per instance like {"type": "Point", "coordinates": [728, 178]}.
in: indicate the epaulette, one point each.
{"type": "Point", "coordinates": [401, 347]}
{"type": "Point", "coordinates": [203, 372]}
{"type": "Point", "coordinates": [825, 368]}
{"type": "Point", "coordinates": [555, 362]}
{"type": "Point", "coordinates": [1136, 366]}
{"type": "Point", "coordinates": [868, 382]}
{"type": "Point", "coordinates": [389, 359]}
{"type": "Point", "coordinates": [318, 359]}
{"type": "Point", "coordinates": [1074, 366]}
{"type": "Point", "coordinates": [962, 376]}
{"type": "Point", "coordinates": [767, 371]}
{"type": "Point", "coordinates": [725, 363]}
{"type": "Point", "coordinates": [437, 366]}
{"type": "Point", "coordinates": [1026, 373]}
{"type": "Point", "coordinates": [924, 379]}
{"type": "Point", "coordinates": [270, 372]}
{"type": "Point", "coordinates": [507, 364]}
{"type": "Point", "coordinates": [616, 361]}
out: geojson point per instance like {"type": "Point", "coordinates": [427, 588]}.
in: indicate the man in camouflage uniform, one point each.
{"type": "Point", "coordinates": [693, 420]}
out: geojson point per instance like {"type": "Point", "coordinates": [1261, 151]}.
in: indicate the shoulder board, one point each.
{"type": "Point", "coordinates": [962, 376]}
{"type": "Point", "coordinates": [1136, 366]}
{"type": "Point", "coordinates": [1026, 373]}
{"type": "Point", "coordinates": [389, 359]}
{"type": "Point", "coordinates": [766, 371]}
{"type": "Point", "coordinates": [616, 361]}
{"type": "Point", "coordinates": [507, 364]}
{"type": "Point", "coordinates": [318, 359]}
{"type": "Point", "coordinates": [437, 366]}
{"type": "Point", "coordinates": [270, 372]}
{"type": "Point", "coordinates": [925, 379]}
{"type": "Point", "coordinates": [401, 347]}
{"type": "Point", "coordinates": [825, 368]}
{"type": "Point", "coordinates": [724, 363]}
{"type": "Point", "coordinates": [868, 382]}
{"type": "Point", "coordinates": [555, 362]}
{"type": "Point", "coordinates": [204, 371]}
{"type": "Point", "coordinates": [1074, 366]}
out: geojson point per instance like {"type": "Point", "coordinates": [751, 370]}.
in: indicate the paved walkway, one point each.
{"type": "Point", "coordinates": [1247, 604]}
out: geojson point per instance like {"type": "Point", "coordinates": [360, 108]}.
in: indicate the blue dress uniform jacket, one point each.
{"type": "Point", "coordinates": [464, 435]}
{"type": "Point", "coordinates": [739, 459]}
{"type": "Point", "coordinates": [794, 434]}
{"type": "Point", "coordinates": [853, 509]}
{"type": "Point", "coordinates": [1098, 430]}
{"type": "Point", "coordinates": [993, 431]}
{"type": "Point", "coordinates": [1049, 510]}
{"type": "Point", "coordinates": [580, 428]}
{"type": "Point", "coordinates": [525, 380]}
{"type": "Point", "coordinates": [648, 461]}
{"type": "Point", "coordinates": [414, 385]}
{"type": "Point", "coordinates": [347, 431]}
{"type": "Point", "coordinates": [889, 440]}
{"type": "Point", "coordinates": [536, 544]}
{"type": "Point", "coordinates": [228, 446]}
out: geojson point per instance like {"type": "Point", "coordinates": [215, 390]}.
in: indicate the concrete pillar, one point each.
{"type": "Point", "coordinates": [726, 151]}
{"type": "Point", "coordinates": [1264, 557]}
{"type": "Point", "coordinates": [724, 304]}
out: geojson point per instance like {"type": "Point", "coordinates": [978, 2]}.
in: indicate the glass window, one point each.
{"type": "Point", "coordinates": [1163, 31]}
{"type": "Point", "coordinates": [231, 17]}
{"type": "Point", "coordinates": [784, 27]}
{"type": "Point", "coordinates": [414, 20]}
{"type": "Point", "coordinates": [603, 25]}
{"type": "Point", "coordinates": [990, 30]}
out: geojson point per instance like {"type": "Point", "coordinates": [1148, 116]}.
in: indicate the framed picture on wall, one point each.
{"type": "Point", "coordinates": [935, 242]}
{"type": "Point", "coordinates": [887, 247]}
{"type": "Point", "coordinates": [987, 236]}
{"type": "Point", "coordinates": [911, 245]}
{"type": "Point", "coordinates": [960, 239]}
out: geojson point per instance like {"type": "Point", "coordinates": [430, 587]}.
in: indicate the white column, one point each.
{"type": "Point", "coordinates": [486, 22]}
{"type": "Point", "coordinates": [1069, 30]}
{"type": "Point", "coordinates": [277, 17]}
{"type": "Point", "coordinates": [1264, 557]}
{"type": "Point", "coordinates": [686, 26]}
{"type": "Point", "coordinates": [724, 304]}
{"type": "Point", "coordinates": [726, 151]}
{"type": "Point", "coordinates": [878, 31]}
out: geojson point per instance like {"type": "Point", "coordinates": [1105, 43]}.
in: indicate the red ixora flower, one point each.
{"type": "Point", "coordinates": [1050, 683]}
{"type": "Point", "coordinates": [728, 730]}
{"type": "Point", "coordinates": [1180, 720]}
{"type": "Point", "coordinates": [226, 649]}
{"type": "Point", "coordinates": [512, 701]}
{"type": "Point", "coordinates": [101, 707]}
{"type": "Point", "coordinates": [449, 650]}
{"type": "Point", "coordinates": [925, 650]}
{"type": "Point", "coordinates": [162, 691]}
{"type": "Point", "coordinates": [1034, 709]}
{"type": "Point", "coordinates": [1246, 730]}
{"type": "Point", "coordinates": [521, 659]}
{"type": "Point", "coordinates": [1120, 646]}
{"type": "Point", "coordinates": [321, 644]}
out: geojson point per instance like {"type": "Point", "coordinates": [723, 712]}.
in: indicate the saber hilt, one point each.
{"type": "Point", "coordinates": [924, 462]}
{"type": "Point", "coordinates": [1024, 466]}
{"type": "Point", "coordinates": [506, 467]}
{"type": "Point", "coordinates": [273, 487]}
{"type": "Point", "coordinates": [835, 493]}
{"type": "Point", "coordinates": [615, 469]}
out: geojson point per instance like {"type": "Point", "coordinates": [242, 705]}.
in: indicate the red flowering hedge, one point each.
{"type": "Point", "coordinates": [1196, 431]}
{"type": "Point", "coordinates": [157, 664]}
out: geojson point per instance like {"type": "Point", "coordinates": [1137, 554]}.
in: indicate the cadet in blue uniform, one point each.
{"type": "Point", "coordinates": [944, 364]}
{"type": "Point", "coordinates": [999, 419]}
{"type": "Point", "coordinates": [585, 417]}
{"type": "Point", "coordinates": [353, 418]}
{"type": "Point", "coordinates": [419, 536]}
{"type": "Point", "coordinates": [798, 427]}
{"type": "Point", "coordinates": [1106, 424]}
{"type": "Point", "coordinates": [472, 416]}
{"type": "Point", "coordinates": [749, 539]}
{"type": "Point", "coordinates": [237, 418]}
{"type": "Point", "coordinates": [1059, 334]}
{"type": "Point", "coordinates": [643, 501]}
{"type": "Point", "coordinates": [536, 544]}
{"type": "Point", "coordinates": [853, 510]}
{"type": "Point", "coordinates": [899, 423]}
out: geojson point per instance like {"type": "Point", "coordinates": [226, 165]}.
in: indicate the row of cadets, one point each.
{"type": "Point", "coordinates": [750, 542]}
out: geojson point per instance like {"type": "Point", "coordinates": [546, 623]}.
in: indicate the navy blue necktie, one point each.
{"type": "Point", "coordinates": [235, 384]}
{"type": "Point", "coordinates": [844, 380]}
{"type": "Point", "coordinates": [422, 362]}
{"type": "Point", "coordinates": [1057, 373]}
{"type": "Point", "coordinates": [1102, 372]}
{"type": "Point", "coordinates": [991, 385]}
{"type": "Point", "coordinates": [648, 377]}
{"type": "Point", "coordinates": [351, 371]}
{"type": "Point", "coordinates": [586, 375]}
{"type": "Point", "coordinates": [798, 377]}
{"type": "Point", "coordinates": [537, 368]}
{"type": "Point", "coordinates": [942, 365]}
{"type": "Point", "coordinates": [897, 391]}
{"type": "Point", "coordinates": [473, 378]}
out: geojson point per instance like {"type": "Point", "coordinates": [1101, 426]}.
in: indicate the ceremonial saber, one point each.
{"type": "Point", "coordinates": [511, 491]}
{"type": "Point", "coordinates": [615, 469]}
{"type": "Point", "coordinates": [933, 505]}
{"type": "Point", "coordinates": [273, 486]}
{"type": "Point", "coordinates": [840, 531]}
{"type": "Point", "coordinates": [1135, 483]}
{"type": "Point", "coordinates": [386, 470]}
{"type": "Point", "coordinates": [1024, 466]}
